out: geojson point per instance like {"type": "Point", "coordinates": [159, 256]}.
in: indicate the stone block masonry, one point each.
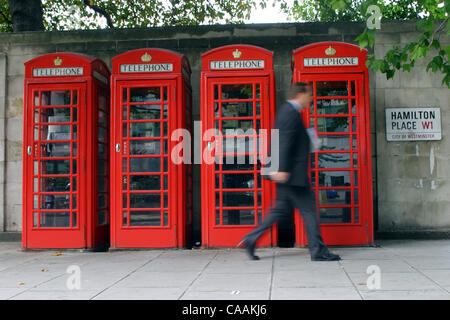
{"type": "Point", "coordinates": [410, 178]}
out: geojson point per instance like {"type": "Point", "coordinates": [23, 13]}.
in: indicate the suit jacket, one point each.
{"type": "Point", "coordinates": [294, 145]}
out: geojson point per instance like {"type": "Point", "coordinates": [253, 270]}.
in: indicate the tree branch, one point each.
{"type": "Point", "coordinates": [100, 11]}
{"type": "Point", "coordinates": [438, 31]}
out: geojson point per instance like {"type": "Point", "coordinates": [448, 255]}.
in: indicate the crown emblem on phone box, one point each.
{"type": "Point", "coordinates": [146, 57]}
{"type": "Point", "coordinates": [237, 54]}
{"type": "Point", "coordinates": [57, 61]}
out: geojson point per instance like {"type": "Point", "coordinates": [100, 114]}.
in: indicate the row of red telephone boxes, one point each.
{"type": "Point", "coordinates": [97, 166]}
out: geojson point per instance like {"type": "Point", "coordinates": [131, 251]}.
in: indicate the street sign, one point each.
{"type": "Point", "coordinates": [413, 124]}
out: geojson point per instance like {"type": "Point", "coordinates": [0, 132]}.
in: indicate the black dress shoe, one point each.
{"type": "Point", "coordinates": [250, 248]}
{"type": "Point", "coordinates": [326, 257]}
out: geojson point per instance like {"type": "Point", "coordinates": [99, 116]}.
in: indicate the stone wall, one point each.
{"type": "Point", "coordinates": [410, 196]}
{"type": "Point", "coordinates": [413, 177]}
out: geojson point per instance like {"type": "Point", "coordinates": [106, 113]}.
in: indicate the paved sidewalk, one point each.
{"type": "Point", "coordinates": [410, 269]}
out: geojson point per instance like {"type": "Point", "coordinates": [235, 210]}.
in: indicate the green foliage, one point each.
{"type": "Point", "coordinates": [349, 10]}
{"type": "Point", "coordinates": [433, 23]}
{"type": "Point", "coordinates": [431, 26]}
{"type": "Point", "coordinates": [75, 14]}
{"type": "Point", "coordinates": [5, 17]}
{"type": "Point", "coordinates": [93, 14]}
{"type": "Point", "coordinates": [432, 15]}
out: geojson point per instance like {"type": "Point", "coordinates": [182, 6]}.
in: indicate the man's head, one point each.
{"type": "Point", "coordinates": [300, 93]}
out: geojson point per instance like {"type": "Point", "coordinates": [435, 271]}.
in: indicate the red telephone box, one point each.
{"type": "Point", "coordinates": [237, 93]}
{"type": "Point", "coordinates": [151, 194]}
{"type": "Point", "coordinates": [341, 171]}
{"type": "Point", "coordinates": [65, 152]}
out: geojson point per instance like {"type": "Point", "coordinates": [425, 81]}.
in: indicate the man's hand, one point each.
{"type": "Point", "coordinates": [280, 177]}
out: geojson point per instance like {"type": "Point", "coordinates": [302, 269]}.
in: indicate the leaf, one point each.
{"type": "Point", "coordinates": [404, 57]}
{"type": "Point", "coordinates": [338, 4]}
{"type": "Point", "coordinates": [57, 254]}
{"type": "Point", "coordinates": [446, 81]}
{"type": "Point", "coordinates": [390, 74]}
{"type": "Point", "coordinates": [432, 66]}
{"type": "Point", "coordinates": [447, 50]}
{"type": "Point", "coordinates": [363, 43]}
{"type": "Point", "coordinates": [363, 283]}
{"type": "Point", "coordinates": [426, 25]}
{"type": "Point", "coordinates": [363, 40]}
{"type": "Point", "coordinates": [44, 270]}
{"type": "Point", "coordinates": [20, 283]}
{"type": "Point", "coordinates": [406, 67]}
{"type": "Point", "coordinates": [436, 44]}
{"type": "Point", "coordinates": [378, 64]}
{"type": "Point", "coordinates": [435, 64]}
{"type": "Point", "coordinates": [415, 53]}
{"type": "Point", "coordinates": [371, 39]}
{"type": "Point", "coordinates": [424, 51]}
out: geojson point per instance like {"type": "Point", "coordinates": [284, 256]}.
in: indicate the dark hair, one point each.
{"type": "Point", "coordinates": [296, 88]}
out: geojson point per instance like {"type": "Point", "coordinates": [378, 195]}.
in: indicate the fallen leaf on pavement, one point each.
{"type": "Point", "coordinates": [362, 283]}
{"type": "Point", "coordinates": [57, 254]}
{"type": "Point", "coordinates": [21, 283]}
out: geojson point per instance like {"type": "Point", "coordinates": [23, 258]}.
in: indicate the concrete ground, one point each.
{"type": "Point", "coordinates": [409, 269]}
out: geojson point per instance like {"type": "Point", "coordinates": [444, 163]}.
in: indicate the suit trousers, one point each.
{"type": "Point", "coordinates": [302, 198]}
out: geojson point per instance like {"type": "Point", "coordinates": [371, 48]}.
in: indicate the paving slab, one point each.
{"type": "Point", "coordinates": [405, 295]}
{"type": "Point", "coordinates": [386, 266]}
{"type": "Point", "coordinates": [428, 263]}
{"type": "Point", "coordinates": [119, 293]}
{"type": "Point", "coordinates": [368, 253]}
{"type": "Point", "coordinates": [226, 295]}
{"type": "Point", "coordinates": [348, 293]}
{"type": "Point", "coordinates": [165, 265]}
{"type": "Point", "coordinates": [306, 264]}
{"type": "Point", "coordinates": [239, 265]}
{"type": "Point", "coordinates": [17, 279]}
{"type": "Point", "coordinates": [231, 282]}
{"type": "Point", "coordinates": [441, 277]}
{"type": "Point", "coordinates": [405, 281]}
{"type": "Point", "coordinates": [145, 279]}
{"type": "Point", "coordinates": [410, 269]}
{"type": "Point", "coordinates": [311, 278]}
{"type": "Point", "coordinates": [35, 294]}
{"type": "Point", "coordinates": [418, 248]}
{"type": "Point", "coordinates": [88, 281]}
{"type": "Point", "coordinates": [7, 293]}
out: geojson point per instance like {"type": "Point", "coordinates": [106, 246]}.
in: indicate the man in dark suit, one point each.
{"type": "Point", "coordinates": [293, 189]}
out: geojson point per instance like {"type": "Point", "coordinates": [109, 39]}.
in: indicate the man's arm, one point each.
{"type": "Point", "coordinates": [286, 123]}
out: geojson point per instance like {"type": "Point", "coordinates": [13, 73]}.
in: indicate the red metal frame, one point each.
{"type": "Point", "coordinates": [83, 230]}
{"type": "Point", "coordinates": [358, 232]}
{"type": "Point", "coordinates": [221, 235]}
{"type": "Point", "coordinates": [172, 228]}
